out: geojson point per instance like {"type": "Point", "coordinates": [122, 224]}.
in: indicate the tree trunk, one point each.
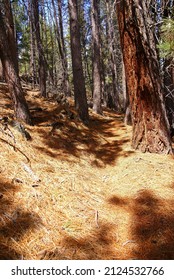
{"type": "Point", "coordinates": [32, 47]}
{"type": "Point", "coordinates": [8, 56]}
{"type": "Point", "coordinates": [96, 56]}
{"type": "Point", "coordinates": [169, 90]}
{"type": "Point", "coordinates": [168, 68]}
{"type": "Point", "coordinates": [42, 62]}
{"type": "Point", "coordinates": [84, 27]}
{"type": "Point", "coordinates": [150, 124]}
{"type": "Point", "coordinates": [78, 77]}
{"type": "Point", "coordinates": [113, 95]}
{"type": "Point", "coordinates": [64, 58]}
{"type": "Point", "coordinates": [61, 46]}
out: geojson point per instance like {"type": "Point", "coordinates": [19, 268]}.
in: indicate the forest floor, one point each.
{"type": "Point", "coordinates": [78, 192]}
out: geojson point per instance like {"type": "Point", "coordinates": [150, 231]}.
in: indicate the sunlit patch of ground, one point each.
{"type": "Point", "coordinates": [85, 193]}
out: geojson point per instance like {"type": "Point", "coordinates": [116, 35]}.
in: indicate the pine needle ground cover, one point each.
{"type": "Point", "coordinates": [77, 192]}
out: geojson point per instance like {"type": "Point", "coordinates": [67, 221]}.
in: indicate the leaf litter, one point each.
{"type": "Point", "coordinates": [86, 194]}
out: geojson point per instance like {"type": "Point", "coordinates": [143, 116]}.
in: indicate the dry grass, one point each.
{"type": "Point", "coordinates": [88, 196]}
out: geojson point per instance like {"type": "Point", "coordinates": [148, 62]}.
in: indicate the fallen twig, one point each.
{"type": "Point", "coordinates": [30, 172]}
{"type": "Point", "coordinates": [15, 149]}
{"type": "Point", "coordinates": [96, 218]}
{"type": "Point", "coordinates": [128, 241]}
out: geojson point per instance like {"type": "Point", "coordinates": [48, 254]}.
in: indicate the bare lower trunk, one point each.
{"type": "Point", "coordinates": [113, 99]}
{"type": "Point", "coordinates": [96, 57]}
{"type": "Point", "coordinates": [32, 49]}
{"type": "Point", "coordinates": [169, 90]}
{"type": "Point", "coordinates": [78, 77]}
{"type": "Point", "coordinates": [20, 106]}
{"type": "Point", "coordinates": [64, 58]}
{"type": "Point", "coordinates": [150, 124]}
{"type": "Point", "coordinates": [61, 46]}
{"type": "Point", "coordinates": [42, 62]}
{"type": "Point", "coordinates": [8, 56]}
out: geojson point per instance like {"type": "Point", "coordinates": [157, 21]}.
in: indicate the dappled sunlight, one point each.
{"type": "Point", "coordinates": [101, 140]}
{"type": "Point", "coordinates": [100, 244]}
{"type": "Point", "coordinates": [81, 192]}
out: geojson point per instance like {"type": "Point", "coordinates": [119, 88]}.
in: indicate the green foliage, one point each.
{"type": "Point", "coordinates": [166, 45]}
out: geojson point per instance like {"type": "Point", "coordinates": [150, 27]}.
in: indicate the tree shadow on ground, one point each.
{"type": "Point", "coordinates": [99, 245]}
{"type": "Point", "coordinates": [101, 140]}
{"type": "Point", "coordinates": [151, 233]}
{"type": "Point", "coordinates": [152, 225]}
{"type": "Point", "coordinates": [14, 222]}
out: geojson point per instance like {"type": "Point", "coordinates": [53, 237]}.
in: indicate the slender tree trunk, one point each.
{"type": "Point", "coordinates": [96, 56]}
{"type": "Point", "coordinates": [114, 97]}
{"type": "Point", "coordinates": [126, 103]}
{"type": "Point", "coordinates": [168, 67]}
{"type": "Point", "coordinates": [169, 90]}
{"type": "Point", "coordinates": [32, 47]}
{"type": "Point", "coordinates": [64, 58]}
{"type": "Point", "coordinates": [78, 77]}
{"type": "Point", "coordinates": [61, 46]}
{"type": "Point", "coordinates": [42, 62]}
{"type": "Point", "coordinates": [8, 56]}
{"type": "Point", "coordinates": [150, 124]}
{"type": "Point", "coordinates": [83, 37]}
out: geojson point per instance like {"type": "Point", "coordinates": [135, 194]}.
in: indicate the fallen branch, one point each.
{"type": "Point", "coordinates": [10, 134]}
{"type": "Point", "coordinates": [15, 149]}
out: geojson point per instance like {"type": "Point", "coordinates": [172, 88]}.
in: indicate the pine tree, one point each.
{"type": "Point", "coordinates": [9, 59]}
{"type": "Point", "coordinates": [150, 124]}
{"type": "Point", "coordinates": [78, 76]}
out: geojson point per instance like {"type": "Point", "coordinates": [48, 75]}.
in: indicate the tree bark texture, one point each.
{"type": "Point", "coordinates": [78, 77]}
{"type": "Point", "coordinates": [65, 63]}
{"type": "Point", "coordinates": [150, 124]}
{"type": "Point", "coordinates": [96, 56]}
{"type": "Point", "coordinates": [8, 56]}
{"type": "Point", "coordinates": [33, 70]}
{"type": "Point", "coordinates": [113, 96]}
{"type": "Point", "coordinates": [42, 61]}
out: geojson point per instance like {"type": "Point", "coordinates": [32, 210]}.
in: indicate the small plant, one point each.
{"type": "Point", "coordinates": [166, 46]}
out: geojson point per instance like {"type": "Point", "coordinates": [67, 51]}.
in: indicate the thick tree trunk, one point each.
{"type": "Point", "coordinates": [8, 56]}
{"type": "Point", "coordinates": [96, 57]}
{"type": "Point", "coordinates": [150, 124]}
{"type": "Point", "coordinates": [78, 77]}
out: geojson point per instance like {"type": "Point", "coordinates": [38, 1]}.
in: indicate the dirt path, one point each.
{"type": "Point", "coordinates": [96, 198]}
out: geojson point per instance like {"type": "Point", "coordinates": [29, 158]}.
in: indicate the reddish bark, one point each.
{"type": "Point", "coordinates": [8, 56]}
{"type": "Point", "coordinates": [150, 124]}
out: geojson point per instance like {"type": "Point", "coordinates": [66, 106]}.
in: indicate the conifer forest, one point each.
{"type": "Point", "coordinates": [86, 130]}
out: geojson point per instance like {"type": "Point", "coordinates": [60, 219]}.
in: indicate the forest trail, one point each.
{"type": "Point", "coordinates": [83, 193]}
